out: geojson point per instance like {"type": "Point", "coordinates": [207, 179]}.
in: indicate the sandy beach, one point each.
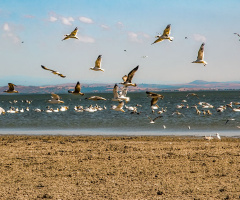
{"type": "Point", "coordinates": [106, 167]}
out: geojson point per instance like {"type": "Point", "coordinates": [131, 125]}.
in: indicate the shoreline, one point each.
{"type": "Point", "coordinates": [119, 167]}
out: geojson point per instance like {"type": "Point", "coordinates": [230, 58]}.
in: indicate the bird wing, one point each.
{"type": "Point", "coordinates": [167, 30]}
{"type": "Point", "coordinates": [55, 96]}
{"type": "Point", "coordinates": [120, 105]}
{"type": "Point", "coordinates": [98, 62]}
{"type": "Point", "coordinates": [11, 86]}
{"type": "Point", "coordinates": [151, 94]}
{"type": "Point", "coordinates": [115, 91]}
{"type": "Point", "coordinates": [200, 52]}
{"type": "Point", "coordinates": [124, 91]}
{"type": "Point", "coordinates": [74, 33]}
{"type": "Point", "coordinates": [158, 40]}
{"type": "Point", "coordinates": [77, 87]}
{"type": "Point", "coordinates": [157, 117]}
{"type": "Point", "coordinates": [46, 68]}
{"type": "Point", "coordinates": [61, 75]}
{"type": "Point", "coordinates": [131, 74]}
{"type": "Point", "coordinates": [154, 101]}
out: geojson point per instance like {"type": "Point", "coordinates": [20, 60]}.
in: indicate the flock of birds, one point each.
{"type": "Point", "coordinates": [121, 96]}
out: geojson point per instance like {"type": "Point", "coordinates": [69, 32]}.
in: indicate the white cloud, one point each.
{"type": "Point", "coordinates": [104, 27]}
{"type": "Point", "coordinates": [67, 20]}
{"type": "Point", "coordinates": [86, 20]}
{"type": "Point", "coordinates": [199, 37]}
{"type": "Point", "coordinates": [52, 19]}
{"type": "Point", "coordinates": [120, 25]}
{"type": "Point", "coordinates": [6, 27]}
{"type": "Point", "coordinates": [86, 39]}
{"type": "Point", "coordinates": [134, 37]}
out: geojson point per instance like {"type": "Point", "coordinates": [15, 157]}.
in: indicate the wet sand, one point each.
{"type": "Point", "coordinates": [104, 167]}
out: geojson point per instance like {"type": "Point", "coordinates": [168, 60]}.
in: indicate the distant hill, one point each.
{"type": "Point", "coordinates": [95, 88]}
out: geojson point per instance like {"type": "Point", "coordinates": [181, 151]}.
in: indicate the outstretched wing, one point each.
{"type": "Point", "coordinates": [115, 91]}
{"type": "Point", "coordinates": [46, 68]}
{"type": "Point", "coordinates": [154, 101]}
{"type": "Point", "coordinates": [131, 74]}
{"type": "Point", "coordinates": [55, 96]}
{"type": "Point", "coordinates": [167, 30]}
{"type": "Point", "coordinates": [98, 62]}
{"type": "Point", "coordinates": [201, 52]}
{"type": "Point", "coordinates": [74, 33]}
{"type": "Point", "coordinates": [11, 86]}
{"type": "Point", "coordinates": [77, 87]}
{"type": "Point", "coordinates": [158, 40]}
{"type": "Point", "coordinates": [157, 117]}
{"type": "Point", "coordinates": [151, 94]}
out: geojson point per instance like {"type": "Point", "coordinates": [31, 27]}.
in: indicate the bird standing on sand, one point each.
{"type": "Point", "coordinates": [165, 35]}
{"type": "Point", "coordinates": [11, 88]}
{"type": "Point", "coordinates": [98, 64]}
{"type": "Point", "coordinates": [73, 34]}
{"type": "Point", "coordinates": [218, 136]}
{"type": "Point", "coordinates": [53, 71]}
{"type": "Point", "coordinates": [77, 89]}
{"type": "Point", "coordinates": [200, 56]}
{"type": "Point", "coordinates": [127, 79]}
{"type": "Point", "coordinates": [209, 138]}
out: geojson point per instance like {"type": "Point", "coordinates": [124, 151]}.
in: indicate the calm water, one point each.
{"type": "Point", "coordinates": [110, 122]}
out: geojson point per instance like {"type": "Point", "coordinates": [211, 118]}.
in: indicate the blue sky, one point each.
{"type": "Point", "coordinates": [108, 28]}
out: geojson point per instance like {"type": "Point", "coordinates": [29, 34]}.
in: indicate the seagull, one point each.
{"type": "Point", "coordinates": [152, 121]}
{"type": "Point", "coordinates": [2, 111]}
{"type": "Point", "coordinates": [229, 120]}
{"type": "Point", "coordinates": [201, 55]}
{"type": "Point", "coordinates": [119, 107]}
{"type": "Point", "coordinates": [121, 95]}
{"type": "Point", "coordinates": [218, 136]}
{"type": "Point", "coordinates": [144, 56]}
{"type": "Point", "coordinates": [155, 98]}
{"type": "Point", "coordinates": [96, 98]}
{"type": "Point", "coordinates": [77, 89]}
{"type": "Point", "coordinates": [11, 88]}
{"type": "Point", "coordinates": [55, 99]}
{"type": "Point", "coordinates": [73, 34]}
{"type": "Point", "coordinates": [165, 35]}
{"type": "Point", "coordinates": [53, 71]}
{"type": "Point", "coordinates": [127, 79]}
{"type": "Point", "coordinates": [208, 137]}
{"type": "Point", "coordinates": [237, 35]}
{"type": "Point", "coordinates": [98, 64]}
{"type": "Point", "coordinates": [192, 94]}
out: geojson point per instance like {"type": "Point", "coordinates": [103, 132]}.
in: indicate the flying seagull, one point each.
{"type": "Point", "coordinates": [152, 121]}
{"type": "Point", "coordinates": [96, 98]}
{"type": "Point", "coordinates": [127, 79]}
{"type": "Point", "coordinates": [53, 71]}
{"type": "Point", "coordinates": [237, 35]}
{"type": "Point", "coordinates": [11, 88]}
{"type": "Point", "coordinates": [155, 98]}
{"type": "Point", "coordinates": [55, 99]}
{"type": "Point", "coordinates": [73, 34]}
{"type": "Point", "coordinates": [77, 89]}
{"type": "Point", "coordinates": [165, 35]}
{"type": "Point", "coordinates": [192, 94]}
{"type": "Point", "coordinates": [98, 64]}
{"type": "Point", "coordinates": [200, 56]}
{"type": "Point", "coordinates": [119, 107]}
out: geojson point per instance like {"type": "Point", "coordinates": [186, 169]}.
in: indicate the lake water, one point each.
{"type": "Point", "coordinates": [110, 122]}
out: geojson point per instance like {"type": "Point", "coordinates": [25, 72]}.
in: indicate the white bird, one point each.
{"type": "Point", "coordinates": [200, 56]}
{"type": "Point", "coordinates": [98, 64]}
{"type": "Point", "coordinates": [2, 111]}
{"type": "Point", "coordinates": [55, 99]}
{"type": "Point", "coordinates": [164, 127]}
{"type": "Point", "coordinates": [73, 34]}
{"type": "Point", "coordinates": [218, 136]}
{"type": "Point", "coordinates": [165, 35]}
{"type": "Point", "coordinates": [63, 108]}
{"type": "Point", "coordinates": [208, 137]}
{"type": "Point", "coordinates": [152, 121]}
{"type": "Point", "coordinates": [119, 107]}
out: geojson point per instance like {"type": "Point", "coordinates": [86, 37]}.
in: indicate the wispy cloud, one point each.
{"type": "Point", "coordinates": [52, 19]}
{"type": "Point", "coordinates": [86, 39]}
{"type": "Point", "coordinates": [29, 16]}
{"type": "Point", "coordinates": [120, 25]}
{"type": "Point", "coordinates": [67, 20]}
{"type": "Point", "coordinates": [105, 27]}
{"type": "Point", "coordinates": [8, 33]}
{"type": "Point", "coordinates": [137, 37]}
{"type": "Point", "coordinates": [86, 20]}
{"type": "Point", "coordinates": [199, 37]}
